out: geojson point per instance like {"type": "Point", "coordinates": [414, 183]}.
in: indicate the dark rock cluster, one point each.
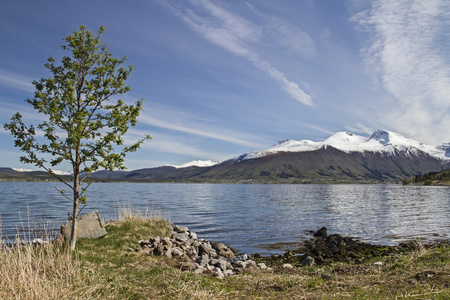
{"type": "Point", "coordinates": [335, 247]}
{"type": "Point", "coordinates": [324, 248]}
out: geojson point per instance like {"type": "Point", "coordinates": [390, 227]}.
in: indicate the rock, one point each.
{"type": "Point", "coordinates": [213, 253]}
{"type": "Point", "coordinates": [250, 264]}
{"type": "Point", "coordinates": [166, 241]}
{"type": "Point", "coordinates": [180, 236]}
{"type": "Point", "coordinates": [199, 270]}
{"type": "Point", "coordinates": [176, 252]}
{"type": "Point", "coordinates": [179, 229]}
{"type": "Point", "coordinates": [245, 264]}
{"type": "Point", "coordinates": [168, 253]}
{"type": "Point", "coordinates": [159, 250]}
{"type": "Point", "coordinates": [203, 260]}
{"type": "Point", "coordinates": [222, 264]}
{"type": "Point", "coordinates": [191, 252]}
{"type": "Point", "coordinates": [210, 258]}
{"type": "Point", "coordinates": [262, 266]}
{"type": "Point", "coordinates": [145, 251]}
{"type": "Point", "coordinates": [89, 226]}
{"type": "Point", "coordinates": [204, 248]}
{"type": "Point", "coordinates": [288, 254]}
{"type": "Point", "coordinates": [210, 268]}
{"type": "Point", "coordinates": [188, 266]}
{"type": "Point", "coordinates": [154, 240]}
{"type": "Point", "coordinates": [39, 241]}
{"type": "Point", "coordinates": [322, 232]}
{"type": "Point", "coordinates": [238, 258]}
{"type": "Point", "coordinates": [287, 266]}
{"type": "Point", "coordinates": [218, 273]}
{"type": "Point", "coordinates": [222, 250]}
{"type": "Point", "coordinates": [307, 261]}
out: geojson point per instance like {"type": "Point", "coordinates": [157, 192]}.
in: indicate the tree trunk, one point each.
{"type": "Point", "coordinates": [76, 200]}
{"type": "Point", "coordinates": [73, 234]}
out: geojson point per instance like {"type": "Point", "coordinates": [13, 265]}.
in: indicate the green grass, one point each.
{"type": "Point", "coordinates": [107, 269]}
{"type": "Point", "coordinates": [423, 273]}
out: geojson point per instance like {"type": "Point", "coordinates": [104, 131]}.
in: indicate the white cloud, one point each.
{"type": "Point", "coordinates": [235, 35]}
{"type": "Point", "coordinates": [167, 144]}
{"type": "Point", "coordinates": [360, 128]}
{"type": "Point", "coordinates": [15, 81]}
{"type": "Point", "coordinates": [210, 132]}
{"type": "Point", "coordinates": [407, 51]}
{"type": "Point", "coordinates": [286, 35]}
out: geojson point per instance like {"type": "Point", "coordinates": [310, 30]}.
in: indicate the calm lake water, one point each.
{"type": "Point", "coordinates": [248, 217]}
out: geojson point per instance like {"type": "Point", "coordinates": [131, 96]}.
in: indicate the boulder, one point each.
{"type": "Point", "coordinates": [179, 229]}
{"type": "Point", "coordinates": [204, 248]}
{"type": "Point", "coordinates": [307, 261]}
{"type": "Point", "coordinates": [222, 250]}
{"type": "Point", "coordinates": [89, 226]}
{"type": "Point", "coordinates": [238, 258]}
{"type": "Point", "coordinates": [322, 232]}
{"type": "Point", "coordinates": [262, 266]}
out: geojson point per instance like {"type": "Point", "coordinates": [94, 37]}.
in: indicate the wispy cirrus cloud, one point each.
{"type": "Point", "coordinates": [183, 122]}
{"type": "Point", "coordinates": [405, 51]}
{"type": "Point", "coordinates": [237, 35]}
{"type": "Point", "coordinates": [167, 144]}
{"type": "Point", "coordinates": [280, 32]}
{"type": "Point", "coordinates": [16, 81]}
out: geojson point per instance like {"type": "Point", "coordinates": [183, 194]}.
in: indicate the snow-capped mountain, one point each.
{"type": "Point", "coordinates": [197, 163]}
{"type": "Point", "coordinates": [381, 141]}
{"type": "Point", "coordinates": [342, 158]}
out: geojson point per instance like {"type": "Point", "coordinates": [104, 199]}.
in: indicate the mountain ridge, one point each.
{"type": "Point", "coordinates": [342, 158]}
{"type": "Point", "coordinates": [380, 141]}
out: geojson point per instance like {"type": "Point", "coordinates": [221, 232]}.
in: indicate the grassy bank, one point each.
{"type": "Point", "coordinates": [107, 269]}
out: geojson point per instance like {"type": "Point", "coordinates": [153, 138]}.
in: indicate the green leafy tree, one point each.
{"type": "Point", "coordinates": [84, 125]}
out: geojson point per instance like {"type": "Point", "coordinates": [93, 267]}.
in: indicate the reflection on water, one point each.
{"type": "Point", "coordinates": [248, 216]}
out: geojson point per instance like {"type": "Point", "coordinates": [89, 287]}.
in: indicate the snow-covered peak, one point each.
{"type": "Point", "coordinates": [382, 136]}
{"type": "Point", "coordinates": [197, 163]}
{"type": "Point", "coordinates": [284, 146]}
{"type": "Point", "coordinates": [345, 141]}
{"type": "Point", "coordinates": [62, 172]}
{"type": "Point", "coordinates": [386, 138]}
{"type": "Point", "coordinates": [380, 141]}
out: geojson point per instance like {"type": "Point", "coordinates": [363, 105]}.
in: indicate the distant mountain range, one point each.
{"type": "Point", "coordinates": [344, 157]}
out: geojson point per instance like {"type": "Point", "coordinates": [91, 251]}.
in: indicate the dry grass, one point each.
{"type": "Point", "coordinates": [43, 272]}
{"type": "Point", "coordinates": [133, 215]}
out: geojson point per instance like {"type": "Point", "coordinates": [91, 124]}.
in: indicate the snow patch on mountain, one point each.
{"type": "Point", "coordinates": [197, 163]}
{"type": "Point", "coordinates": [22, 170]}
{"type": "Point", "coordinates": [54, 171]}
{"type": "Point", "coordinates": [380, 141]}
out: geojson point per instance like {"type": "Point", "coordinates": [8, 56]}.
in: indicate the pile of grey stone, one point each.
{"type": "Point", "coordinates": [198, 255]}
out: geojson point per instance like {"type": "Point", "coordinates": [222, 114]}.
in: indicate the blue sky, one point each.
{"type": "Point", "coordinates": [222, 78]}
